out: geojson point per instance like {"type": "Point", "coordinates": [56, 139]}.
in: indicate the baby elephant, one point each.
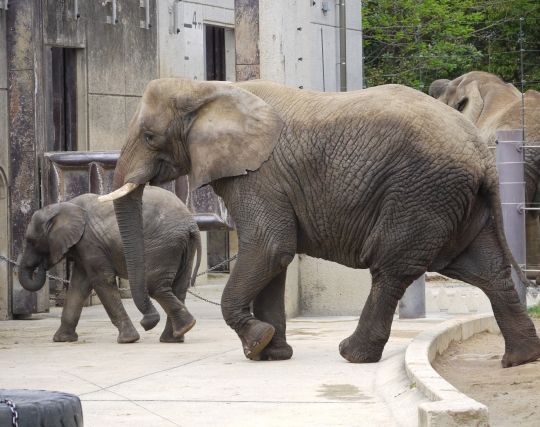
{"type": "Point", "coordinates": [85, 231]}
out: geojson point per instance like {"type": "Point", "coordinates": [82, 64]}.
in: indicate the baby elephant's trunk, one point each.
{"type": "Point", "coordinates": [31, 281]}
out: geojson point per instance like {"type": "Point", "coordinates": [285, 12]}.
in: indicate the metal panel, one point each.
{"type": "Point", "coordinates": [512, 185]}
{"type": "Point", "coordinates": [68, 174]}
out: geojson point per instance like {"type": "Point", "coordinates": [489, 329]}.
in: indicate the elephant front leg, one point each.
{"type": "Point", "coordinates": [269, 306]}
{"type": "Point", "coordinates": [78, 291]}
{"type": "Point", "coordinates": [367, 342]}
{"type": "Point", "coordinates": [109, 296]}
{"type": "Point", "coordinates": [255, 269]}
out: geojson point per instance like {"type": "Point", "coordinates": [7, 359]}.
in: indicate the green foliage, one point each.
{"type": "Point", "coordinates": [414, 42]}
{"type": "Point", "coordinates": [534, 311]}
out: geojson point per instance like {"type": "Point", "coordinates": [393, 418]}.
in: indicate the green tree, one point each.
{"type": "Point", "coordinates": [414, 42]}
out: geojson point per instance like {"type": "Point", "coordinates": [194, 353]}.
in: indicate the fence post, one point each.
{"type": "Point", "coordinates": [512, 187]}
{"type": "Point", "coordinates": [413, 303]}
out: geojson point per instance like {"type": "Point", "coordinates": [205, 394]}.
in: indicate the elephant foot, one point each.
{"type": "Point", "coordinates": [63, 336]}
{"type": "Point", "coordinates": [168, 338]}
{"type": "Point", "coordinates": [355, 351]}
{"type": "Point", "coordinates": [276, 351]}
{"type": "Point", "coordinates": [150, 320]}
{"type": "Point", "coordinates": [525, 352]}
{"type": "Point", "coordinates": [181, 331]}
{"type": "Point", "coordinates": [255, 336]}
{"type": "Point", "coordinates": [128, 336]}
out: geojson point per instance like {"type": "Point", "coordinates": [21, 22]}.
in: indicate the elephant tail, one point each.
{"type": "Point", "coordinates": [490, 186]}
{"type": "Point", "coordinates": [195, 242]}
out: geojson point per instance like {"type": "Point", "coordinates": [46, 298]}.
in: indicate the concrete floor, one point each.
{"type": "Point", "coordinates": [207, 380]}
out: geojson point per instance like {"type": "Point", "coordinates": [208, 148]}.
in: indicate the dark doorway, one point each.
{"type": "Point", "coordinates": [218, 241]}
{"type": "Point", "coordinates": [64, 100]}
{"type": "Point", "coordinates": [61, 131]}
{"type": "Point", "coordinates": [215, 52]}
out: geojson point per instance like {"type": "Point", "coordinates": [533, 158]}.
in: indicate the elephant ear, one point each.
{"type": "Point", "coordinates": [64, 225]}
{"type": "Point", "coordinates": [438, 87]}
{"type": "Point", "coordinates": [232, 131]}
{"type": "Point", "coordinates": [472, 103]}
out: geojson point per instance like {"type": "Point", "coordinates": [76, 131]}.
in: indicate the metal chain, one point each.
{"type": "Point", "coordinates": [215, 267]}
{"type": "Point", "coordinates": [13, 408]}
{"type": "Point", "coordinates": [208, 271]}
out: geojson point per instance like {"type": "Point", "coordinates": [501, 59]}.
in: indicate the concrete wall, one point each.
{"type": "Point", "coordinates": [5, 279]}
{"type": "Point", "coordinates": [181, 36]}
{"type": "Point", "coordinates": [299, 46]}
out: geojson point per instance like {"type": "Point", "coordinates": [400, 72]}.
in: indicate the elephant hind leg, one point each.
{"type": "Point", "coordinates": [483, 264]}
{"type": "Point", "coordinates": [180, 318]}
{"type": "Point", "coordinates": [367, 342]}
{"type": "Point", "coordinates": [179, 288]}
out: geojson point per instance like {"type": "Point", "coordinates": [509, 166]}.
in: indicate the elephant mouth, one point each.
{"type": "Point", "coordinates": [165, 171]}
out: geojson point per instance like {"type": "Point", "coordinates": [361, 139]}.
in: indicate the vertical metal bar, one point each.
{"type": "Point", "coordinates": [413, 303]}
{"type": "Point", "coordinates": [322, 61]}
{"type": "Point", "coordinates": [521, 35]}
{"type": "Point", "coordinates": [76, 9]}
{"type": "Point", "coordinates": [114, 19]}
{"type": "Point", "coordinates": [342, 47]}
{"type": "Point", "coordinates": [147, 13]}
{"type": "Point", "coordinates": [512, 185]}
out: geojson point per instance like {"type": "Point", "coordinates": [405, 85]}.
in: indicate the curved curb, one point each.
{"type": "Point", "coordinates": [448, 406]}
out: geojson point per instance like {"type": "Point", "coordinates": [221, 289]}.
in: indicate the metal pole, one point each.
{"type": "Point", "coordinates": [512, 187]}
{"type": "Point", "coordinates": [521, 36]}
{"type": "Point", "coordinates": [342, 47]}
{"type": "Point", "coordinates": [413, 303]}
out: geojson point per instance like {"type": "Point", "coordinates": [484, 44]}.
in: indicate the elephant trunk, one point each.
{"type": "Point", "coordinates": [128, 210]}
{"type": "Point", "coordinates": [30, 281]}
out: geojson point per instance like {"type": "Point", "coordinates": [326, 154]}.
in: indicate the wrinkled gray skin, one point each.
{"type": "Point", "coordinates": [385, 178]}
{"type": "Point", "coordinates": [491, 104]}
{"type": "Point", "coordinates": [85, 231]}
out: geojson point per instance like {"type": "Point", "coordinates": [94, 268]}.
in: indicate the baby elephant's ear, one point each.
{"type": "Point", "coordinates": [64, 227]}
{"type": "Point", "coordinates": [232, 132]}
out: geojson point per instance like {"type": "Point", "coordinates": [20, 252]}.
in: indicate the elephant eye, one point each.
{"type": "Point", "coordinates": [462, 104]}
{"type": "Point", "coordinates": [151, 141]}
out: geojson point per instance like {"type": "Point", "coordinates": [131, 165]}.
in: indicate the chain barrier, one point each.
{"type": "Point", "coordinates": [13, 408]}
{"type": "Point", "coordinates": [209, 271]}
{"type": "Point", "coordinates": [215, 267]}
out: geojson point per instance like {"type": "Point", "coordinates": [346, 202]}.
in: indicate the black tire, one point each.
{"type": "Point", "coordinates": [41, 408]}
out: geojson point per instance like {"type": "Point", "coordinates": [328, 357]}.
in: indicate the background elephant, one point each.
{"type": "Point", "coordinates": [85, 231]}
{"type": "Point", "coordinates": [491, 104]}
{"type": "Point", "coordinates": [385, 178]}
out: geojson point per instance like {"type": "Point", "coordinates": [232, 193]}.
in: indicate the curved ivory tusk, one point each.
{"type": "Point", "coordinates": [121, 192]}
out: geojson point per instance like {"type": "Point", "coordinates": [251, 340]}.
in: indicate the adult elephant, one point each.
{"type": "Point", "coordinates": [385, 178]}
{"type": "Point", "coordinates": [85, 231]}
{"type": "Point", "coordinates": [491, 104]}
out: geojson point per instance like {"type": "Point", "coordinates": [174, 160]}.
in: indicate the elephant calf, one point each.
{"type": "Point", "coordinates": [85, 231]}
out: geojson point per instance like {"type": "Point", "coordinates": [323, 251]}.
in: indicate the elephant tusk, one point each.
{"type": "Point", "coordinates": [117, 194]}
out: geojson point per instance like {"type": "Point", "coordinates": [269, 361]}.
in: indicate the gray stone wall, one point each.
{"type": "Point", "coordinates": [5, 294]}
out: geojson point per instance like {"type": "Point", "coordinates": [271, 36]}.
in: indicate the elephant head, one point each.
{"type": "Point", "coordinates": [209, 130]}
{"type": "Point", "coordinates": [49, 235]}
{"type": "Point", "coordinates": [478, 95]}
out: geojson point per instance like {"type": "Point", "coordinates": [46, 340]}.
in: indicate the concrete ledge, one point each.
{"type": "Point", "coordinates": [449, 407]}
